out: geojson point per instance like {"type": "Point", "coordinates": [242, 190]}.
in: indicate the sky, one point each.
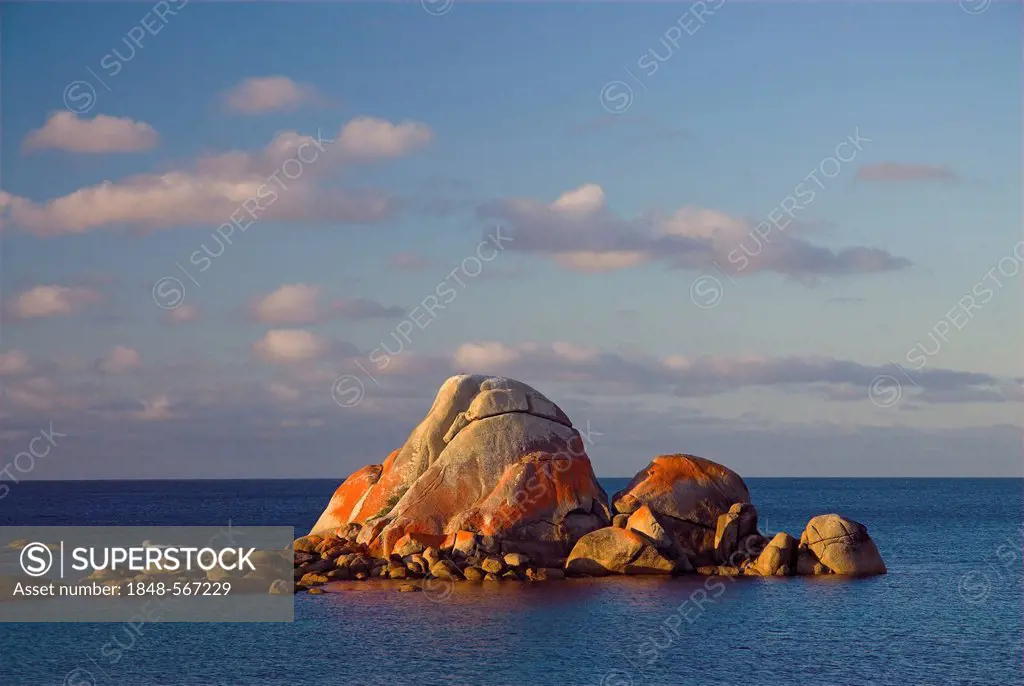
{"type": "Point", "coordinates": [251, 241]}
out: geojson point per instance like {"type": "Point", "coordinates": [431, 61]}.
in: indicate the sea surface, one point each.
{"type": "Point", "coordinates": [948, 612]}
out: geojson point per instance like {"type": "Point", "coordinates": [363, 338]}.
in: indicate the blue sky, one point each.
{"type": "Point", "coordinates": [620, 293]}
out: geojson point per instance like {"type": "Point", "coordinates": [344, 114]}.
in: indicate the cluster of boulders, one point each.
{"type": "Point", "coordinates": [495, 483]}
{"type": "Point", "coordinates": [646, 542]}
{"type": "Point", "coordinates": [338, 556]}
{"type": "Point", "coordinates": [684, 513]}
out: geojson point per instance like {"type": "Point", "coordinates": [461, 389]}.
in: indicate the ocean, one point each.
{"type": "Point", "coordinates": [948, 611]}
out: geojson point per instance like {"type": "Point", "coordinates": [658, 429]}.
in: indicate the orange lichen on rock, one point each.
{"type": "Point", "coordinates": [683, 486]}
{"type": "Point", "coordinates": [540, 487]}
{"type": "Point", "coordinates": [381, 497]}
{"type": "Point", "coordinates": [690, 491]}
{"type": "Point", "coordinates": [347, 498]}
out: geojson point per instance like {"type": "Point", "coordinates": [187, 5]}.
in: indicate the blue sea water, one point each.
{"type": "Point", "coordinates": [948, 612]}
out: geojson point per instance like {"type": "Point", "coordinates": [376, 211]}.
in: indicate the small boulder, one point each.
{"type": "Point", "coordinates": [410, 544]}
{"type": "Point", "coordinates": [464, 543]}
{"type": "Point", "coordinates": [842, 545]}
{"type": "Point", "coordinates": [280, 587]}
{"type": "Point", "coordinates": [491, 577]}
{"type": "Point", "coordinates": [644, 521]}
{"type": "Point", "coordinates": [315, 591]}
{"type": "Point", "coordinates": [492, 565]}
{"type": "Point", "coordinates": [398, 573]}
{"type": "Point", "coordinates": [432, 555]}
{"type": "Point", "coordinates": [308, 580]}
{"type": "Point", "coordinates": [446, 569]}
{"type": "Point", "coordinates": [516, 560]}
{"type": "Point", "coordinates": [777, 559]}
{"type": "Point", "coordinates": [616, 551]}
{"type": "Point", "coordinates": [473, 574]}
{"type": "Point", "coordinates": [307, 544]}
{"type": "Point", "coordinates": [408, 588]}
{"type": "Point", "coordinates": [315, 567]}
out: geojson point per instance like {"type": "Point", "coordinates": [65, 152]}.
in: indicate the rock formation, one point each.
{"type": "Point", "coordinates": [495, 484]}
{"type": "Point", "coordinates": [842, 546]}
{"type": "Point", "coordinates": [616, 551]}
{"type": "Point", "coordinates": [493, 458]}
{"type": "Point", "coordinates": [689, 494]}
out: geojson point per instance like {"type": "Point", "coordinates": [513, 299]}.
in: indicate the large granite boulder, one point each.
{"type": "Point", "coordinates": [616, 551]}
{"type": "Point", "coordinates": [493, 457]}
{"type": "Point", "coordinates": [689, 493]}
{"type": "Point", "coordinates": [842, 545]}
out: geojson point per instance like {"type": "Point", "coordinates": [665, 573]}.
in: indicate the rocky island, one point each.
{"type": "Point", "coordinates": [495, 484]}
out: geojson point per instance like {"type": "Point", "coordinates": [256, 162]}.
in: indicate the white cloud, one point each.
{"type": "Point", "coordinates": [216, 186]}
{"type": "Point", "coordinates": [120, 359]}
{"type": "Point", "coordinates": [289, 304]}
{"type": "Point", "coordinates": [366, 138]}
{"type": "Point", "coordinates": [268, 94]}
{"type": "Point", "coordinates": [584, 200]}
{"type": "Point", "coordinates": [477, 357]}
{"type": "Point", "coordinates": [289, 345]}
{"type": "Point", "coordinates": [14, 362]}
{"type": "Point", "coordinates": [65, 131]}
{"type": "Point", "coordinates": [51, 301]}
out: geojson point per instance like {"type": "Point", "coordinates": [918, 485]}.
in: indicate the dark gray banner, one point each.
{"type": "Point", "coordinates": [146, 574]}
